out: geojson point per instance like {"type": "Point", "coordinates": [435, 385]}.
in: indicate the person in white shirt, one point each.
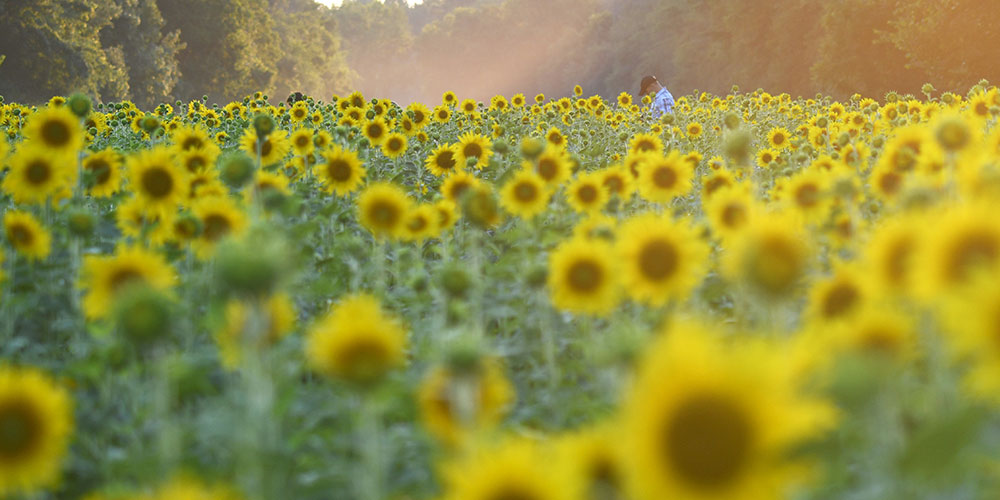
{"type": "Point", "coordinates": [663, 102]}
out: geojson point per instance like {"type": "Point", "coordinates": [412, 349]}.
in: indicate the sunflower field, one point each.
{"type": "Point", "coordinates": [534, 298]}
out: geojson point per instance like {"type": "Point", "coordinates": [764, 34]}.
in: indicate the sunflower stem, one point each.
{"type": "Point", "coordinates": [258, 435]}
{"type": "Point", "coordinates": [369, 432]}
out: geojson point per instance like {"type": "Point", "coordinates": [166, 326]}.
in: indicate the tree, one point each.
{"type": "Point", "coordinates": [149, 55]}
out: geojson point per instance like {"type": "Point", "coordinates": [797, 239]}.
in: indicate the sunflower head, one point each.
{"type": "Point", "coordinates": [356, 341]}
{"type": "Point", "coordinates": [382, 207]}
{"type": "Point", "coordinates": [583, 277]}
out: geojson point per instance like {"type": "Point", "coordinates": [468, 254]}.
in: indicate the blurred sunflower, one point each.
{"type": "Point", "coordinates": [382, 208]}
{"type": "Point", "coordinates": [555, 138]}
{"type": "Point", "coordinates": [587, 193]}
{"type": "Point", "coordinates": [525, 194]}
{"type": "Point", "coordinates": [663, 178]}
{"type": "Point", "coordinates": [57, 130]}
{"type": "Point", "coordinates": [458, 402]}
{"type": "Point", "coordinates": [341, 172]}
{"type": "Point", "coordinates": [617, 181]}
{"type": "Point", "coordinates": [273, 147]}
{"type": "Point", "coordinates": [135, 221]}
{"type": "Point", "coordinates": [645, 143]}
{"type": "Point", "coordinates": [553, 166]}
{"type": "Point", "coordinates": [457, 184]}
{"type": "Point", "coordinates": [420, 223]}
{"type": "Point", "coordinates": [356, 341]}
{"type": "Point", "coordinates": [956, 245]}
{"type": "Point", "coordinates": [278, 313]}
{"type": "Point", "coordinates": [220, 218]}
{"type": "Point", "coordinates": [514, 469]}
{"type": "Point", "coordinates": [660, 259]}
{"type": "Point", "coordinates": [583, 277]}
{"type": "Point", "coordinates": [26, 235]}
{"type": "Point", "coordinates": [36, 174]}
{"type": "Point", "coordinates": [593, 458]}
{"type": "Point", "coordinates": [704, 420]}
{"type": "Point", "coordinates": [771, 255]}
{"type": "Point", "coordinates": [104, 276]}
{"type": "Point", "coordinates": [156, 180]}
{"type": "Point", "coordinates": [36, 416]}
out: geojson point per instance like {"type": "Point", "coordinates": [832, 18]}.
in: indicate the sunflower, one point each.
{"type": "Point", "coordinates": [220, 218]}
{"type": "Point", "coordinates": [196, 160]}
{"type": "Point", "coordinates": [356, 341]}
{"type": "Point", "coordinates": [135, 221]}
{"type": "Point", "coordinates": [341, 172]}
{"type": "Point", "coordinates": [514, 469]}
{"type": "Point", "coordinates": [382, 208]}
{"type": "Point", "coordinates": [594, 460]}
{"type": "Point", "coordinates": [447, 214]}
{"type": "Point", "coordinates": [583, 277]}
{"type": "Point", "coordinates": [645, 143]}
{"type": "Point", "coordinates": [156, 180]}
{"type": "Point", "coordinates": [468, 106]}
{"type": "Point", "coordinates": [36, 174]}
{"type": "Point", "coordinates": [553, 166]}
{"type": "Point", "coordinates": [104, 276]}
{"type": "Point", "coordinates": [442, 161]}
{"type": "Point", "coordinates": [268, 181]}
{"type": "Point", "coordinates": [191, 137]}
{"type": "Point", "coordinates": [730, 210]}
{"type": "Point", "coordinates": [302, 141]}
{"type": "Point", "coordinates": [771, 255]}
{"type": "Point", "coordinates": [766, 157]}
{"type": "Point", "coordinates": [891, 252]}
{"type": "Point", "coordinates": [587, 193]}
{"type": "Point", "coordinates": [717, 179]}
{"type": "Point", "coordinates": [694, 130]}
{"type": "Point", "coordinates": [555, 138]}
{"type": "Point", "coordinates": [37, 422]}
{"type": "Point", "coordinates": [663, 178]}
{"type": "Point", "coordinates": [299, 112]}
{"type": "Point", "coordinates": [376, 131]}
{"type": "Point", "coordinates": [957, 244]}
{"type": "Point", "coordinates": [808, 195]}
{"type": "Point", "coordinates": [442, 114]}
{"type": "Point", "coordinates": [617, 181]}
{"type": "Point", "coordinates": [882, 333]}
{"type": "Point", "coordinates": [662, 259]}
{"type": "Point", "coordinates": [838, 297]}
{"type": "Point", "coordinates": [778, 138]}
{"type": "Point", "coordinates": [420, 223]}
{"type": "Point", "coordinates": [704, 419]}
{"type": "Point", "coordinates": [420, 113]}
{"type": "Point", "coordinates": [273, 148]}
{"type": "Point", "coordinates": [457, 184]}
{"type": "Point", "coordinates": [26, 235]}
{"type": "Point", "coordinates": [456, 403]}
{"type": "Point", "coordinates": [57, 130]}
{"type": "Point", "coordinates": [277, 314]}
{"type": "Point", "coordinates": [394, 145]}
{"type": "Point", "coordinates": [525, 194]}
{"type": "Point", "coordinates": [449, 99]}
{"type": "Point", "coordinates": [624, 99]}
{"type": "Point", "coordinates": [471, 145]}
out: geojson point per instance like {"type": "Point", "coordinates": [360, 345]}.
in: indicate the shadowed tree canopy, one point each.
{"type": "Point", "coordinates": [159, 50]}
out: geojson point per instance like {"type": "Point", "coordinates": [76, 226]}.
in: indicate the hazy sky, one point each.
{"type": "Point", "coordinates": [338, 2]}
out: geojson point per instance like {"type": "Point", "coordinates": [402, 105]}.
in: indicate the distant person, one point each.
{"type": "Point", "coordinates": [295, 97]}
{"type": "Point", "coordinates": [663, 102]}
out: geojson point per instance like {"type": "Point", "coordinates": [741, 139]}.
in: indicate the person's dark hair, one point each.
{"type": "Point", "coordinates": [295, 97]}
{"type": "Point", "coordinates": [646, 82]}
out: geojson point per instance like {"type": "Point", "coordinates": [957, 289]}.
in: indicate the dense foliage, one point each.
{"type": "Point", "coordinates": [157, 50]}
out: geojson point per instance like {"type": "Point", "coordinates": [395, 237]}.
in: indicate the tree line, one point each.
{"type": "Point", "coordinates": [152, 51]}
